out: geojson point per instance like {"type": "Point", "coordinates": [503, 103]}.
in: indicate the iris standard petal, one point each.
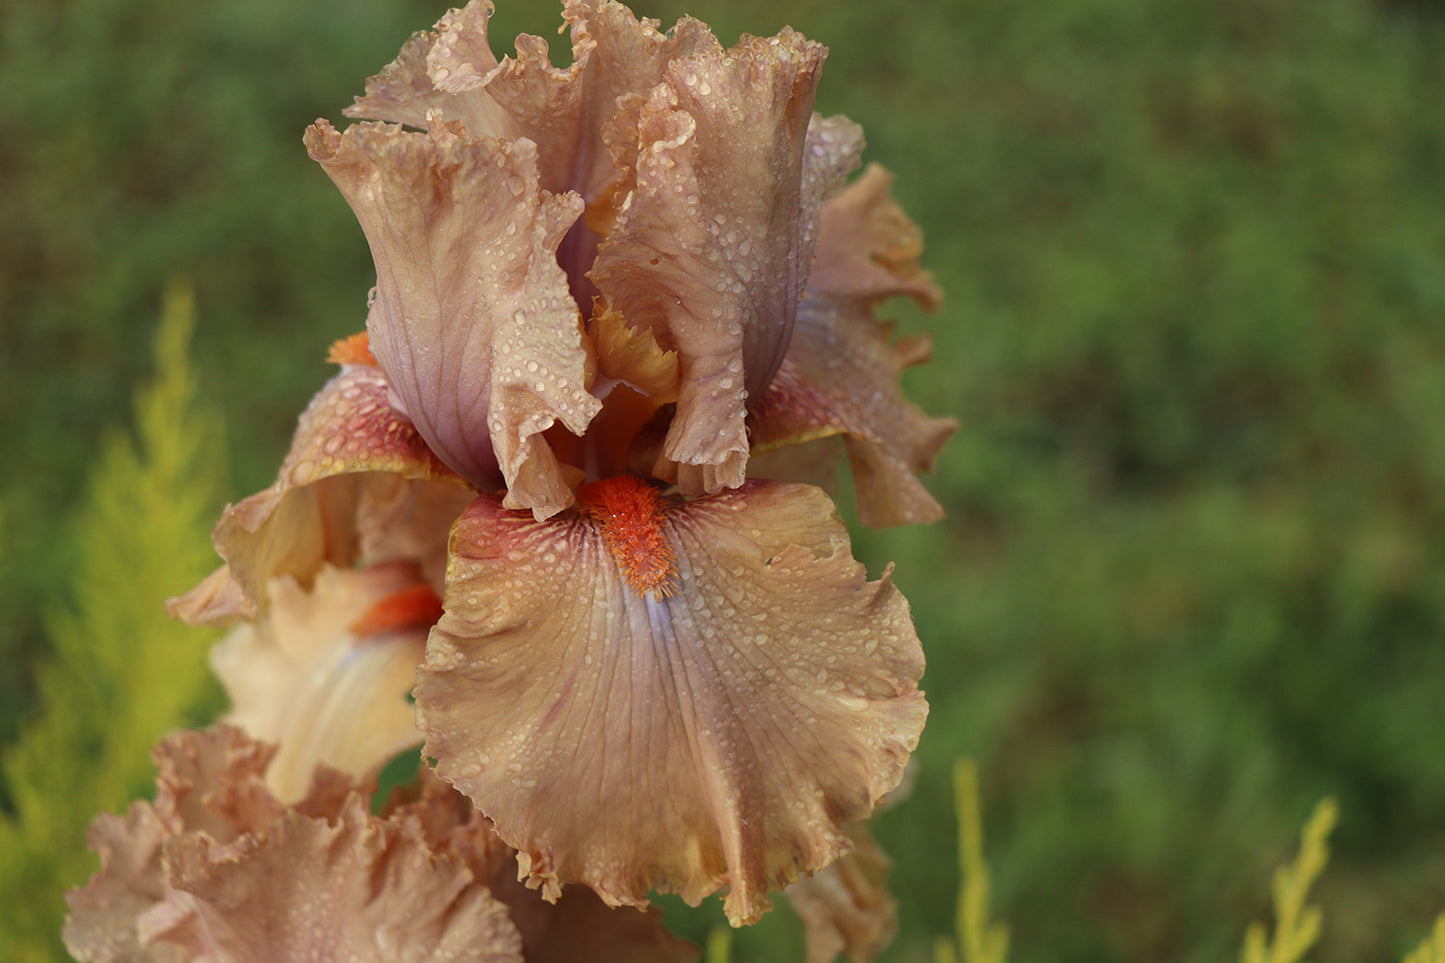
{"type": "Point", "coordinates": [708, 250]}
{"type": "Point", "coordinates": [472, 320]}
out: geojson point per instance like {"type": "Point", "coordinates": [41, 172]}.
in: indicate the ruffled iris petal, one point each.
{"type": "Point", "coordinates": [711, 728]}
{"type": "Point", "coordinates": [452, 69]}
{"type": "Point", "coordinates": [358, 484]}
{"type": "Point", "coordinates": [579, 926]}
{"type": "Point", "coordinates": [840, 376]}
{"type": "Point", "coordinates": [472, 320]}
{"type": "Point", "coordinates": [846, 908]}
{"type": "Point", "coordinates": [209, 784]}
{"type": "Point", "coordinates": [356, 888]}
{"type": "Point", "coordinates": [709, 251]}
{"type": "Point", "coordinates": [101, 925]}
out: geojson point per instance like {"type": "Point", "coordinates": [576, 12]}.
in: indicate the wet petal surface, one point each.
{"type": "Point", "coordinates": [472, 321]}
{"type": "Point", "coordinates": [711, 728]}
{"type": "Point", "coordinates": [358, 485]}
{"type": "Point", "coordinates": [841, 373]}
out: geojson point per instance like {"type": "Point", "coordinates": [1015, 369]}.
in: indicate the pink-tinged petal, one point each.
{"type": "Point", "coordinates": [217, 601]}
{"type": "Point", "coordinates": [712, 725]}
{"type": "Point", "coordinates": [100, 927]}
{"type": "Point", "coordinates": [562, 110]}
{"type": "Point", "coordinates": [472, 320]}
{"type": "Point", "coordinates": [868, 248]}
{"type": "Point", "coordinates": [565, 112]}
{"type": "Point", "coordinates": [812, 462]}
{"type": "Point", "coordinates": [213, 781]}
{"type": "Point", "coordinates": [532, 100]}
{"type": "Point", "coordinates": [403, 93]}
{"type": "Point", "coordinates": [445, 69]}
{"type": "Point", "coordinates": [578, 926]}
{"type": "Point", "coordinates": [326, 673]}
{"type": "Point", "coordinates": [831, 152]}
{"type": "Point", "coordinates": [358, 888]}
{"type": "Point", "coordinates": [708, 250]}
{"type": "Point", "coordinates": [841, 374]}
{"type": "Point", "coordinates": [359, 485]}
{"type": "Point", "coordinates": [846, 908]}
{"type": "Point", "coordinates": [209, 786]}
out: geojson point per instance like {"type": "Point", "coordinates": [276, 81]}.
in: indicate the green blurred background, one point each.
{"type": "Point", "coordinates": [1193, 573]}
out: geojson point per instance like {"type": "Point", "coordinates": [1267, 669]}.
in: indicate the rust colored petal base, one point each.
{"type": "Point", "coordinates": [716, 729]}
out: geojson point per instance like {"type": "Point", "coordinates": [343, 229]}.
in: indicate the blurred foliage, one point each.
{"type": "Point", "coordinates": [978, 940]}
{"type": "Point", "coordinates": [1193, 577]}
{"type": "Point", "coordinates": [1432, 948]}
{"type": "Point", "coordinates": [1296, 924]}
{"type": "Point", "coordinates": [120, 674]}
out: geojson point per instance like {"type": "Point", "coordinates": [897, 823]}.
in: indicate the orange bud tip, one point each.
{"type": "Point", "coordinates": [629, 513]}
{"type": "Point", "coordinates": [353, 350]}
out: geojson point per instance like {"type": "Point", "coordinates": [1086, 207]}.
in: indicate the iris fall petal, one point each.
{"type": "Point", "coordinates": [846, 908]}
{"type": "Point", "coordinates": [358, 484]}
{"type": "Point", "coordinates": [579, 926]}
{"type": "Point", "coordinates": [217, 868]}
{"type": "Point", "coordinates": [712, 724]}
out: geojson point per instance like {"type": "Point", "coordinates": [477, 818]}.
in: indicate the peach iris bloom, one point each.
{"type": "Point", "coordinates": [624, 312]}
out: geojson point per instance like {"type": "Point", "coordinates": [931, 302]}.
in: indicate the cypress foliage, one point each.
{"type": "Point", "coordinates": [121, 673]}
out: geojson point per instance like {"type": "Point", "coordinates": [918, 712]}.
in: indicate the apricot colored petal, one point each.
{"type": "Point", "coordinates": [472, 321]}
{"type": "Point", "coordinates": [358, 484]}
{"type": "Point", "coordinates": [209, 786]}
{"type": "Point", "coordinates": [360, 888]}
{"type": "Point", "coordinates": [841, 374]}
{"type": "Point", "coordinates": [868, 248]}
{"type": "Point", "coordinates": [452, 68]}
{"type": "Point", "coordinates": [846, 908]}
{"type": "Point", "coordinates": [213, 781]}
{"type": "Point", "coordinates": [403, 92]}
{"type": "Point", "coordinates": [562, 110]}
{"type": "Point", "coordinates": [217, 601]}
{"type": "Point", "coordinates": [578, 926]}
{"type": "Point", "coordinates": [306, 677]}
{"type": "Point", "coordinates": [101, 924]}
{"type": "Point", "coordinates": [717, 735]}
{"type": "Point", "coordinates": [709, 250]}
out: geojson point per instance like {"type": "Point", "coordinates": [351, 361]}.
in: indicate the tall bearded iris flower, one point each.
{"type": "Point", "coordinates": [622, 310]}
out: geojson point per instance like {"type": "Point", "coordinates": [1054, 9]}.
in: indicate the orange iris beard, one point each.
{"type": "Point", "coordinates": [629, 513]}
